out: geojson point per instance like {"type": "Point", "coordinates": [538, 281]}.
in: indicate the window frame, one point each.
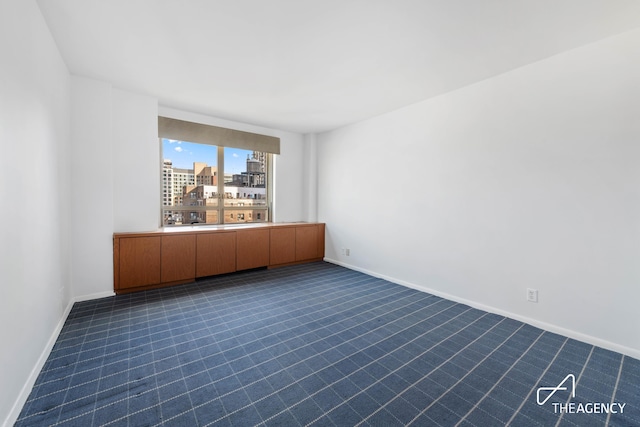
{"type": "Point", "coordinates": [220, 207]}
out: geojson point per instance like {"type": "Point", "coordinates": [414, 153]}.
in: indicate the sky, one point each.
{"type": "Point", "coordinates": [183, 154]}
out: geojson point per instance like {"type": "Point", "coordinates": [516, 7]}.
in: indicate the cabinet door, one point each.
{"type": "Point", "coordinates": [306, 242]}
{"type": "Point", "coordinates": [215, 253]}
{"type": "Point", "coordinates": [178, 258]}
{"type": "Point", "coordinates": [139, 261]}
{"type": "Point", "coordinates": [252, 248]}
{"type": "Point", "coordinates": [282, 248]}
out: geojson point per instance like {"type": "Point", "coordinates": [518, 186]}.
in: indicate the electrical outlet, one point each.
{"type": "Point", "coordinates": [532, 295]}
{"type": "Point", "coordinates": [347, 252]}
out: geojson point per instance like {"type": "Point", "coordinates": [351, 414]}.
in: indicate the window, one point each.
{"type": "Point", "coordinates": [190, 172]}
{"type": "Point", "coordinates": [214, 175]}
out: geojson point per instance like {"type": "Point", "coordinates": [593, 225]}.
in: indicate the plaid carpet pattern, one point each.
{"type": "Point", "coordinates": [319, 344]}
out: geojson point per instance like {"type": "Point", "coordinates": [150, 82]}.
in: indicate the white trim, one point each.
{"type": "Point", "coordinates": [90, 297]}
{"type": "Point", "coordinates": [33, 376]}
{"type": "Point", "coordinates": [631, 352]}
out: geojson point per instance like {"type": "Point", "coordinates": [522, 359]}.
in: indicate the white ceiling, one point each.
{"type": "Point", "coordinates": [314, 65]}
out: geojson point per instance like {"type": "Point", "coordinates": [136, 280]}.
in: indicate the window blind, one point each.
{"type": "Point", "coordinates": [206, 134]}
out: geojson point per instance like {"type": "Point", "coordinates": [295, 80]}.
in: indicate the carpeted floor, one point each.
{"type": "Point", "coordinates": [318, 344]}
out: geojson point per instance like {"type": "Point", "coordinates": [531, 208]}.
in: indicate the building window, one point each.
{"type": "Point", "coordinates": [213, 184]}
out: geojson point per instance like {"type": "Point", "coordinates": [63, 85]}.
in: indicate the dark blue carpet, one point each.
{"type": "Point", "coordinates": [318, 344]}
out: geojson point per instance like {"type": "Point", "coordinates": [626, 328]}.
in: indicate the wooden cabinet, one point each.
{"type": "Point", "coordinates": [306, 242]}
{"type": "Point", "coordinates": [149, 260]}
{"type": "Point", "coordinates": [139, 262]}
{"type": "Point", "coordinates": [295, 243]}
{"type": "Point", "coordinates": [178, 256]}
{"type": "Point", "coordinates": [215, 253]}
{"type": "Point", "coordinates": [282, 248]}
{"type": "Point", "coordinates": [252, 248]}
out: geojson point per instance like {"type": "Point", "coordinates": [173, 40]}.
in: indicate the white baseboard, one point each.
{"type": "Point", "coordinates": [31, 380]}
{"type": "Point", "coordinates": [97, 295]}
{"type": "Point", "coordinates": [628, 351]}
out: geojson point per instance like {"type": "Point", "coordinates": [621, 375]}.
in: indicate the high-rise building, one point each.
{"type": "Point", "coordinates": [167, 183]}
{"type": "Point", "coordinates": [173, 182]}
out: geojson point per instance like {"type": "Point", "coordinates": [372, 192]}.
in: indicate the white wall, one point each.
{"type": "Point", "coordinates": [136, 163]}
{"type": "Point", "coordinates": [528, 179]}
{"type": "Point", "coordinates": [92, 190]}
{"type": "Point", "coordinates": [34, 189]}
{"type": "Point", "coordinates": [310, 177]}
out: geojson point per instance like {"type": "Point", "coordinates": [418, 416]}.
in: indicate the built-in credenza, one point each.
{"type": "Point", "coordinates": [173, 256]}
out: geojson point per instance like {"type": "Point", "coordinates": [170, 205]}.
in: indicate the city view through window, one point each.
{"type": "Point", "coordinates": [207, 184]}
